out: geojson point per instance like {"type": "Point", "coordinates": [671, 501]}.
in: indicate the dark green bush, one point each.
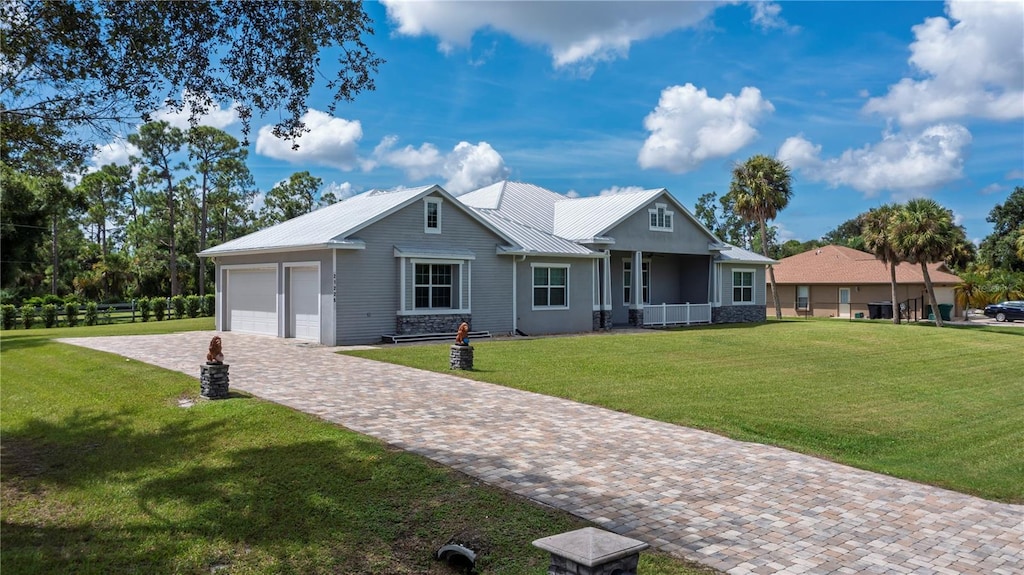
{"type": "Point", "coordinates": [209, 304]}
{"type": "Point", "coordinates": [49, 315]}
{"type": "Point", "coordinates": [178, 304]}
{"type": "Point", "coordinates": [28, 315]}
{"type": "Point", "coordinates": [192, 305]}
{"type": "Point", "coordinates": [159, 308]}
{"type": "Point", "coordinates": [50, 299]}
{"type": "Point", "coordinates": [91, 313]}
{"type": "Point", "coordinates": [9, 297]}
{"type": "Point", "coordinates": [71, 313]}
{"type": "Point", "coordinates": [8, 315]}
{"type": "Point", "coordinates": [34, 301]}
{"type": "Point", "coordinates": [145, 306]}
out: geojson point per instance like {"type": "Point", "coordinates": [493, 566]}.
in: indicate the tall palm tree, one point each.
{"type": "Point", "coordinates": [923, 233]}
{"type": "Point", "coordinates": [875, 228]}
{"type": "Point", "coordinates": [761, 188]}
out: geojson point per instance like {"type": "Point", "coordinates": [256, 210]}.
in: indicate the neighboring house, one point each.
{"type": "Point", "coordinates": [505, 258]}
{"type": "Point", "coordinates": [836, 281]}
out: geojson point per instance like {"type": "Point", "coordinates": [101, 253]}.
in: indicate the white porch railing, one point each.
{"type": "Point", "coordinates": [677, 314]}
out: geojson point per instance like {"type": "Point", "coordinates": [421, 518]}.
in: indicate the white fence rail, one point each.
{"type": "Point", "coordinates": [676, 314]}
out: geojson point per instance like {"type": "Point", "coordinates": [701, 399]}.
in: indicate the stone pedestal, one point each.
{"type": "Point", "coordinates": [461, 357]}
{"type": "Point", "coordinates": [591, 551]}
{"type": "Point", "coordinates": [213, 380]}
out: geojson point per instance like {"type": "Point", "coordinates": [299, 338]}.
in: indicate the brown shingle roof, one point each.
{"type": "Point", "coordinates": [842, 265]}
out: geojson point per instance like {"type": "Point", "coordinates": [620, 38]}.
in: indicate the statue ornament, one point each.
{"type": "Point", "coordinates": [460, 337]}
{"type": "Point", "coordinates": [215, 355]}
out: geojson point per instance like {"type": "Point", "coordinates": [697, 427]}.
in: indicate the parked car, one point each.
{"type": "Point", "coordinates": [1006, 311]}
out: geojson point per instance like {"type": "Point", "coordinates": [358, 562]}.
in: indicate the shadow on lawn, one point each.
{"type": "Point", "coordinates": [173, 502]}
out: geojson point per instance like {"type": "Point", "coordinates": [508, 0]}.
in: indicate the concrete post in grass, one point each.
{"type": "Point", "coordinates": [592, 551]}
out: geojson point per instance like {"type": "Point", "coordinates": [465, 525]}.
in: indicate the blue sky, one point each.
{"type": "Point", "coordinates": [869, 102]}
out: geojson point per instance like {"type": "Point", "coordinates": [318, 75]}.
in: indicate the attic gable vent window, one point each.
{"type": "Point", "coordinates": [661, 218]}
{"type": "Point", "coordinates": [432, 216]}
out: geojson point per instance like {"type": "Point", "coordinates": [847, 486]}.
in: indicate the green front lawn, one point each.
{"type": "Point", "coordinates": [102, 471]}
{"type": "Point", "coordinates": [939, 406]}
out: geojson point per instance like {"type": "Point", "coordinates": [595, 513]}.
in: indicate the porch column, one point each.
{"type": "Point", "coordinates": [401, 281]}
{"type": "Point", "coordinates": [636, 313]}
{"type": "Point", "coordinates": [607, 303]}
{"type": "Point", "coordinates": [638, 280]}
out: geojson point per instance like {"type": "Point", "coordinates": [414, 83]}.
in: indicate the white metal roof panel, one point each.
{"type": "Point", "coordinates": [324, 226]}
{"type": "Point", "coordinates": [586, 218]}
{"type": "Point", "coordinates": [527, 204]}
{"type": "Point", "coordinates": [733, 254]}
{"type": "Point", "coordinates": [531, 239]}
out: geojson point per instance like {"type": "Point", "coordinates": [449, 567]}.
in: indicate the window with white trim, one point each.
{"type": "Point", "coordinates": [803, 297]}
{"type": "Point", "coordinates": [550, 286]}
{"type": "Point", "coordinates": [660, 218]}
{"type": "Point", "coordinates": [432, 215]}
{"type": "Point", "coordinates": [627, 281]}
{"type": "Point", "coordinates": [433, 286]}
{"type": "Point", "coordinates": [743, 286]}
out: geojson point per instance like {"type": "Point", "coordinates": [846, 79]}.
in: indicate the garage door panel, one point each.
{"type": "Point", "coordinates": [304, 304]}
{"type": "Point", "coordinates": [252, 301]}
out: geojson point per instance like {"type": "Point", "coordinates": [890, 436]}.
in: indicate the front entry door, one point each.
{"type": "Point", "coordinates": [844, 302]}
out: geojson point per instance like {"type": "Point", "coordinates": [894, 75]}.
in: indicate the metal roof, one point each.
{"type": "Point", "coordinates": [527, 204]}
{"type": "Point", "coordinates": [586, 218]}
{"type": "Point", "coordinates": [327, 227]}
{"type": "Point", "coordinates": [735, 255]}
{"type": "Point", "coordinates": [532, 240]}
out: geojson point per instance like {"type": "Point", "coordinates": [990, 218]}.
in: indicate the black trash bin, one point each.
{"type": "Point", "coordinates": [886, 309]}
{"type": "Point", "coordinates": [875, 310]}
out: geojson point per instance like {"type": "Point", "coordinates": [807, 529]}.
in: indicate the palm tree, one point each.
{"type": "Point", "coordinates": [761, 188]}
{"type": "Point", "coordinates": [923, 232]}
{"type": "Point", "coordinates": [875, 229]}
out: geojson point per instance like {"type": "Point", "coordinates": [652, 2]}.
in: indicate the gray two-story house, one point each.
{"type": "Point", "coordinates": [508, 258]}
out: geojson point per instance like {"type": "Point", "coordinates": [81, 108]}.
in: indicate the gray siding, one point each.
{"type": "Point", "coordinates": [322, 257]}
{"type": "Point", "coordinates": [578, 318]}
{"type": "Point", "coordinates": [369, 279]}
{"type": "Point", "coordinates": [759, 283]}
{"type": "Point", "coordinates": [634, 234]}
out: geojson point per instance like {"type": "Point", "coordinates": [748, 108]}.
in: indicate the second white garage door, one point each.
{"type": "Point", "coordinates": [252, 300]}
{"type": "Point", "coordinates": [304, 303]}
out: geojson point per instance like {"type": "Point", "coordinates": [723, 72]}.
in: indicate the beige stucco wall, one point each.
{"type": "Point", "coordinates": [824, 298]}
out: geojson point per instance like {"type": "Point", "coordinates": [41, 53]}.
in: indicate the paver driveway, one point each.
{"type": "Point", "coordinates": [739, 507]}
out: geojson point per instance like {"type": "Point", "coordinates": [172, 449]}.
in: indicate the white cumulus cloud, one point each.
{"type": "Point", "coordinates": [216, 116]}
{"type": "Point", "coordinates": [115, 152]}
{"type": "Point", "coordinates": [903, 164]}
{"type": "Point", "coordinates": [329, 142]}
{"type": "Point", "coordinates": [767, 16]}
{"type": "Point", "coordinates": [340, 191]}
{"type": "Point", "coordinates": [467, 167]}
{"type": "Point", "coordinates": [573, 32]}
{"type": "Point", "coordinates": [689, 127]}
{"type": "Point", "coordinates": [970, 64]}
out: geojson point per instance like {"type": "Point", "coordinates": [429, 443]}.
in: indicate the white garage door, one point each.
{"type": "Point", "coordinates": [252, 301]}
{"type": "Point", "coordinates": [304, 303]}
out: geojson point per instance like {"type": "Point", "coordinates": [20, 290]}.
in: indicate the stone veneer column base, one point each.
{"type": "Point", "coordinates": [461, 357]}
{"type": "Point", "coordinates": [738, 314]}
{"type": "Point", "coordinates": [636, 317]}
{"type": "Point", "coordinates": [214, 380]}
{"type": "Point", "coordinates": [432, 323]}
{"type": "Point", "coordinates": [607, 320]}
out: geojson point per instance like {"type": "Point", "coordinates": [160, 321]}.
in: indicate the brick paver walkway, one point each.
{"type": "Point", "coordinates": [739, 507]}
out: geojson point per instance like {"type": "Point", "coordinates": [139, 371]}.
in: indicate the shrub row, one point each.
{"type": "Point", "coordinates": [49, 310]}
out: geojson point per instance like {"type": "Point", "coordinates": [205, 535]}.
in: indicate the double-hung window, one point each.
{"type": "Point", "coordinates": [550, 286]}
{"type": "Point", "coordinates": [627, 281]}
{"type": "Point", "coordinates": [433, 285]}
{"type": "Point", "coordinates": [803, 299]}
{"type": "Point", "coordinates": [743, 286]}
{"type": "Point", "coordinates": [660, 218]}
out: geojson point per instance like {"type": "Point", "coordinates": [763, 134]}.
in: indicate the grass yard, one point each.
{"type": "Point", "coordinates": [938, 406]}
{"type": "Point", "coordinates": [103, 472]}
